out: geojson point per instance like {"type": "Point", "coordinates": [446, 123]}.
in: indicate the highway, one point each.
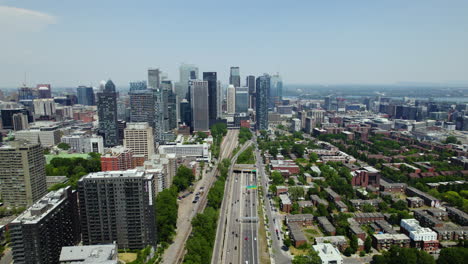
{"type": "Point", "coordinates": [230, 244]}
{"type": "Point", "coordinates": [279, 255]}
{"type": "Point", "coordinates": [188, 210]}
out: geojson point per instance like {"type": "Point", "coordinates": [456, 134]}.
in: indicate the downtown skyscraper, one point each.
{"type": "Point", "coordinates": [107, 113]}
{"type": "Point", "coordinates": [276, 90]}
{"type": "Point", "coordinates": [85, 95]}
{"type": "Point", "coordinates": [234, 77]}
{"type": "Point", "coordinates": [187, 72]}
{"type": "Point", "coordinates": [212, 80]}
{"type": "Point", "coordinates": [199, 105]}
{"type": "Point", "coordinates": [154, 78]}
{"type": "Point", "coordinates": [250, 83]}
{"type": "Point", "coordinates": [261, 110]}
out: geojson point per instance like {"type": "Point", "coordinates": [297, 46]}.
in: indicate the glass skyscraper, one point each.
{"type": "Point", "coordinates": [261, 110]}
{"type": "Point", "coordinates": [211, 78]}
{"type": "Point", "coordinates": [242, 99]}
{"type": "Point", "coordinates": [234, 77]}
{"type": "Point", "coordinates": [107, 112]}
{"type": "Point", "coordinates": [85, 95]}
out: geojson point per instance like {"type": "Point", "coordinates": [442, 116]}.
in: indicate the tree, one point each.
{"type": "Point", "coordinates": [291, 182]}
{"type": "Point", "coordinates": [368, 244]}
{"type": "Point", "coordinates": [353, 243]}
{"type": "Point", "coordinates": [311, 258]}
{"type": "Point", "coordinates": [63, 146]}
{"type": "Point", "coordinates": [400, 205]}
{"type": "Point", "coordinates": [451, 140]}
{"type": "Point", "coordinates": [367, 208]}
{"type": "Point", "coordinates": [277, 178]}
{"type": "Point", "coordinates": [453, 255]}
{"type": "Point", "coordinates": [183, 178]}
{"type": "Point", "coordinates": [296, 192]}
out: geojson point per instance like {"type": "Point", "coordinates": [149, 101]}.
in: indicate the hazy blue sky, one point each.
{"type": "Point", "coordinates": [68, 43]}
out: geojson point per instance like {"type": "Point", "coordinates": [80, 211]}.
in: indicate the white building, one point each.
{"type": "Point", "coordinates": [163, 167]}
{"type": "Point", "coordinates": [199, 151]}
{"type": "Point", "coordinates": [139, 138]}
{"type": "Point", "coordinates": [105, 254]}
{"type": "Point", "coordinates": [83, 143]}
{"type": "Point", "coordinates": [296, 125]}
{"type": "Point", "coordinates": [47, 137]}
{"type": "Point", "coordinates": [44, 107]}
{"type": "Point", "coordinates": [416, 231]}
{"type": "Point", "coordinates": [328, 253]}
{"type": "Point", "coordinates": [231, 99]}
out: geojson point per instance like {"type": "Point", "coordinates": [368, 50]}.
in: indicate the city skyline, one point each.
{"type": "Point", "coordinates": [307, 43]}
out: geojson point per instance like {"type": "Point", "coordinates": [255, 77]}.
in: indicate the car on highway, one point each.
{"type": "Point", "coordinates": [246, 238]}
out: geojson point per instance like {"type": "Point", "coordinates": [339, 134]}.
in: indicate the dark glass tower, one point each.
{"type": "Point", "coordinates": [234, 77]}
{"type": "Point", "coordinates": [261, 110]}
{"type": "Point", "coordinates": [107, 112]}
{"type": "Point", "coordinates": [211, 78]}
{"type": "Point", "coordinates": [85, 95]}
{"type": "Point", "coordinates": [250, 83]}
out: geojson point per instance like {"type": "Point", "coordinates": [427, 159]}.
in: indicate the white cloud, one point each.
{"type": "Point", "coordinates": [13, 20]}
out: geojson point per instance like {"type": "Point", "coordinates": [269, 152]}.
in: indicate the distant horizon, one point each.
{"type": "Point", "coordinates": [71, 43]}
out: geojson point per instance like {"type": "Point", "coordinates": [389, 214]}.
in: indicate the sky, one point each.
{"type": "Point", "coordinates": [71, 43]}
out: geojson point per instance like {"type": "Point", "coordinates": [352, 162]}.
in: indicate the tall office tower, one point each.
{"type": "Point", "coordinates": [328, 103]}
{"type": "Point", "coordinates": [7, 116]}
{"type": "Point", "coordinates": [242, 99]}
{"type": "Point", "coordinates": [25, 93]}
{"type": "Point", "coordinates": [138, 85]}
{"type": "Point", "coordinates": [85, 95]}
{"type": "Point", "coordinates": [107, 113]}
{"type": "Point", "coordinates": [187, 72]}
{"type": "Point", "coordinates": [20, 121]}
{"type": "Point", "coordinates": [154, 78]}
{"type": "Point", "coordinates": [219, 100]}
{"type": "Point", "coordinates": [250, 83]}
{"type": "Point", "coordinates": [231, 99]}
{"type": "Point", "coordinates": [44, 91]}
{"type": "Point", "coordinates": [22, 173]}
{"type": "Point", "coordinates": [234, 77]}
{"type": "Point", "coordinates": [199, 104]}
{"type": "Point", "coordinates": [44, 107]}
{"type": "Point", "coordinates": [142, 106]}
{"type": "Point", "coordinates": [117, 206]}
{"type": "Point", "coordinates": [185, 113]}
{"type": "Point", "coordinates": [211, 78]}
{"type": "Point", "coordinates": [40, 232]}
{"type": "Point", "coordinates": [170, 104]}
{"type": "Point", "coordinates": [261, 111]}
{"type": "Point", "coordinates": [139, 138]}
{"type": "Point", "coordinates": [276, 90]}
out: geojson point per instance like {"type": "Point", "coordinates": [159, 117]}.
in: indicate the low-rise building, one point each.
{"type": "Point", "coordinates": [328, 253]}
{"type": "Point", "coordinates": [363, 218]}
{"type": "Point", "coordinates": [302, 219]}
{"type": "Point", "coordinates": [451, 232]}
{"type": "Point", "coordinates": [285, 203]}
{"type": "Point", "coordinates": [414, 202]}
{"type": "Point", "coordinates": [358, 203]}
{"type": "Point", "coordinates": [199, 151]}
{"type": "Point", "coordinates": [316, 200]}
{"type": "Point", "coordinates": [332, 195]}
{"type": "Point", "coordinates": [295, 233]}
{"type": "Point", "coordinates": [357, 231]}
{"type": "Point", "coordinates": [326, 225]}
{"type": "Point", "coordinates": [429, 200]}
{"type": "Point", "coordinates": [338, 241]}
{"type": "Point", "coordinates": [457, 216]}
{"type": "Point", "coordinates": [385, 241]}
{"type": "Point", "coordinates": [392, 187]}
{"type": "Point", "coordinates": [96, 254]}
{"type": "Point", "coordinates": [427, 220]}
{"type": "Point", "coordinates": [285, 165]}
{"type": "Point", "coordinates": [52, 180]}
{"type": "Point", "coordinates": [421, 237]}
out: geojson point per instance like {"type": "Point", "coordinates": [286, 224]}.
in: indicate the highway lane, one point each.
{"type": "Point", "coordinates": [224, 241]}
{"type": "Point", "coordinates": [176, 251]}
{"type": "Point", "coordinates": [249, 228]}
{"type": "Point", "coordinates": [279, 255]}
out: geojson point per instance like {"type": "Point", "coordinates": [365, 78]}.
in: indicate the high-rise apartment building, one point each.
{"type": "Point", "coordinates": [200, 105]}
{"type": "Point", "coordinates": [276, 90]}
{"type": "Point", "coordinates": [242, 99]}
{"type": "Point", "coordinates": [107, 112]}
{"type": "Point", "coordinates": [85, 95]}
{"type": "Point", "coordinates": [22, 173]}
{"type": "Point", "coordinates": [139, 138]}
{"type": "Point", "coordinates": [250, 83]}
{"type": "Point", "coordinates": [231, 99]}
{"type": "Point", "coordinates": [154, 78]}
{"type": "Point", "coordinates": [211, 78]}
{"type": "Point", "coordinates": [234, 77]}
{"type": "Point", "coordinates": [40, 232]}
{"type": "Point", "coordinates": [261, 111]}
{"type": "Point", "coordinates": [118, 206]}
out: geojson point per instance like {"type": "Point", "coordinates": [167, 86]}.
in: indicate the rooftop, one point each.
{"type": "Point", "coordinates": [99, 254]}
